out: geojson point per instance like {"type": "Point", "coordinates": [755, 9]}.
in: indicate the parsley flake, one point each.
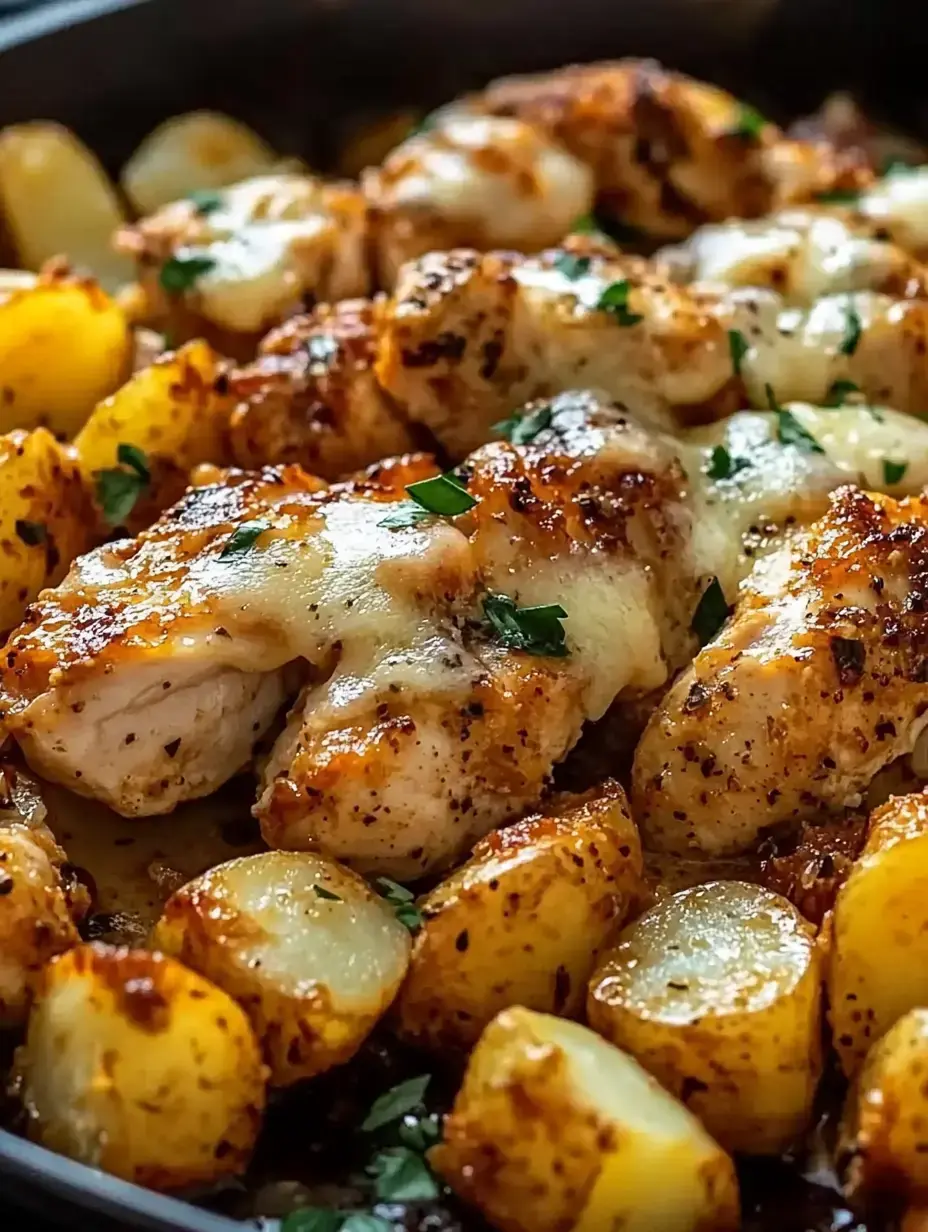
{"type": "Point", "coordinates": [838, 392]}
{"type": "Point", "coordinates": [614, 300]}
{"type": "Point", "coordinates": [738, 347]}
{"type": "Point", "coordinates": [402, 1175]}
{"type": "Point", "coordinates": [839, 196]}
{"type": "Point", "coordinates": [852, 331]}
{"type": "Point", "coordinates": [360, 1221]}
{"type": "Point", "coordinates": [322, 892]}
{"type": "Point", "coordinates": [178, 274]}
{"type": "Point", "coordinates": [419, 1132]}
{"type": "Point", "coordinates": [243, 538]}
{"type": "Point", "coordinates": [748, 124]}
{"type": "Point", "coordinates": [722, 465]}
{"type": "Point", "coordinates": [206, 200]}
{"type": "Point", "coordinates": [444, 495]}
{"type": "Point", "coordinates": [31, 533]}
{"type": "Point", "coordinates": [789, 430]}
{"type": "Point", "coordinates": [119, 487]}
{"type": "Point", "coordinates": [535, 630]}
{"type": "Point", "coordinates": [572, 266]}
{"type": "Point", "coordinates": [893, 471]}
{"type": "Point", "coordinates": [522, 429]}
{"type": "Point", "coordinates": [405, 513]}
{"type": "Point", "coordinates": [313, 1219]}
{"type": "Point", "coordinates": [402, 901]}
{"type": "Point", "coordinates": [711, 613]}
{"type": "Point", "coordinates": [395, 1103]}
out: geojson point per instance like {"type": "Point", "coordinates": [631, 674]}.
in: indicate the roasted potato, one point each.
{"type": "Point", "coordinates": [884, 1132]}
{"type": "Point", "coordinates": [64, 345]}
{"type": "Point", "coordinates": [175, 411]}
{"type": "Point", "coordinates": [135, 1065]}
{"type": "Point", "coordinates": [56, 200]}
{"type": "Point", "coordinates": [878, 968]}
{"type": "Point", "coordinates": [313, 955]}
{"type": "Point", "coordinates": [716, 991]}
{"type": "Point", "coordinates": [521, 923]}
{"type": "Point", "coordinates": [554, 1129]}
{"type": "Point", "coordinates": [199, 150]}
{"type": "Point", "coordinates": [46, 518]}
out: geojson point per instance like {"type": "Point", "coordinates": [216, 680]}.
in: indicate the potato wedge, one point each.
{"type": "Point", "coordinates": [878, 967]}
{"type": "Point", "coordinates": [199, 150]}
{"type": "Point", "coordinates": [313, 955]}
{"type": "Point", "coordinates": [884, 1131]}
{"type": "Point", "coordinates": [175, 411]}
{"type": "Point", "coordinates": [554, 1129]}
{"type": "Point", "coordinates": [521, 923]}
{"type": "Point", "coordinates": [57, 200]}
{"type": "Point", "coordinates": [135, 1065]}
{"type": "Point", "coordinates": [46, 518]}
{"type": "Point", "coordinates": [716, 991]}
{"type": "Point", "coordinates": [64, 345]}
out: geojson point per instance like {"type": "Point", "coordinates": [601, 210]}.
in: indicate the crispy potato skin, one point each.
{"type": "Point", "coordinates": [553, 1129]}
{"type": "Point", "coordinates": [259, 928]}
{"type": "Point", "coordinates": [46, 518]}
{"type": "Point", "coordinates": [521, 923]}
{"type": "Point", "coordinates": [135, 1065]}
{"type": "Point", "coordinates": [716, 991]}
{"type": "Point", "coordinates": [64, 345]}
{"type": "Point", "coordinates": [176, 410]}
{"type": "Point", "coordinates": [882, 1138]}
{"type": "Point", "coordinates": [879, 952]}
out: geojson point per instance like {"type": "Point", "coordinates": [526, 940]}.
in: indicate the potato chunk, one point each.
{"type": "Point", "coordinates": [717, 992]}
{"type": "Point", "coordinates": [46, 518]}
{"type": "Point", "coordinates": [310, 951]}
{"type": "Point", "coordinates": [64, 345]}
{"type": "Point", "coordinates": [175, 411]}
{"type": "Point", "coordinates": [878, 968]}
{"type": "Point", "coordinates": [554, 1129]}
{"type": "Point", "coordinates": [135, 1065]}
{"type": "Point", "coordinates": [884, 1133]}
{"type": "Point", "coordinates": [521, 923]}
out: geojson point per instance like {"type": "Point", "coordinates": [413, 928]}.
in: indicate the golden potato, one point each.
{"type": "Point", "coordinates": [46, 518]}
{"type": "Point", "coordinates": [135, 1065]}
{"type": "Point", "coordinates": [554, 1129]}
{"type": "Point", "coordinates": [878, 968]}
{"type": "Point", "coordinates": [521, 923]}
{"type": "Point", "coordinates": [64, 345]}
{"type": "Point", "coordinates": [884, 1132]}
{"type": "Point", "coordinates": [175, 412]}
{"type": "Point", "coordinates": [199, 150]}
{"type": "Point", "coordinates": [717, 992]}
{"type": "Point", "coordinates": [313, 955]}
{"type": "Point", "coordinates": [57, 200]}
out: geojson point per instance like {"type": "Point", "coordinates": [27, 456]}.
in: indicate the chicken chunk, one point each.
{"type": "Point", "coordinates": [817, 683]}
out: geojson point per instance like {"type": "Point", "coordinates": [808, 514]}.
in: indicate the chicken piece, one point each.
{"type": "Point", "coordinates": [817, 683]}
{"type": "Point", "coordinates": [479, 180]}
{"type": "Point", "coordinates": [802, 254]}
{"type": "Point", "coordinates": [669, 153]}
{"type": "Point", "coordinates": [311, 395]}
{"type": "Point", "coordinates": [229, 264]}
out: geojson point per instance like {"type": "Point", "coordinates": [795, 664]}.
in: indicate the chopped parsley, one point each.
{"type": "Point", "coordinates": [536, 630]}
{"type": "Point", "coordinates": [609, 228]}
{"type": "Point", "coordinates": [711, 613]}
{"type": "Point", "coordinates": [206, 200]}
{"type": "Point", "coordinates": [839, 196]}
{"type": "Point", "coordinates": [119, 487]}
{"type": "Point", "coordinates": [322, 892]}
{"type": "Point", "coordinates": [178, 274]}
{"type": "Point", "coordinates": [31, 533]}
{"type": "Point", "coordinates": [444, 495]}
{"type": "Point", "coordinates": [522, 429]}
{"type": "Point", "coordinates": [893, 471]}
{"type": "Point", "coordinates": [614, 300]}
{"type": "Point", "coordinates": [738, 347]}
{"type": "Point", "coordinates": [402, 1175]}
{"type": "Point", "coordinates": [405, 513]}
{"type": "Point", "coordinates": [316, 1219]}
{"type": "Point", "coordinates": [838, 393]}
{"type": "Point", "coordinates": [789, 430]}
{"type": "Point", "coordinates": [749, 123]}
{"type": "Point", "coordinates": [419, 1132]}
{"type": "Point", "coordinates": [243, 538]}
{"type": "Point", "coordinates": [722, 465]}
{"type": "Point", "coordinates": [402, 901]}
{"type": "Point", "coordinates": [572, 266]}
{"type": "Point", "coordinates": [852, 331]}
{"type": "Point", "coordinates": [395, 1103]}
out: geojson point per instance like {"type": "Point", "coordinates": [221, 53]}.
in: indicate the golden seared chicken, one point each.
{"type": "Point", "coordinates": [669, 153]}
{"type": "Point", "coordinates": [819, 680]}
{"type": "Point", "coordinates": [231, 263]}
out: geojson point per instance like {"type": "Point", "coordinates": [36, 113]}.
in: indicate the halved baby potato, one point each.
{"type": "Point", "coordinates": [313, 955]}
{"type": "Point", "coordinates": [46, 518]}
{"type": "Point", "coordinates": [555, 1130]}
{"type": "Point", "coordinates": [64, 345]}
{"type": "Point", "coordinates": [135, 1065]}
{"type": "Point", "coordinates": [878, 968]}
{"type": "Point", "coordinates": [884, 1133]}
{"type": "Point", "coordinates": [717, 992]}
{"type": "Point", "coordinates": [521, 923]}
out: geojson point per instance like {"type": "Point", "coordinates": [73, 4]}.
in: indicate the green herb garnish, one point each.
{"type": "Point", "coordinates": [119, 487]}
{"type": "Point", "coordinates": [31, 533]}
{"type": "Point", "coordinates": [789, 430]}
{"type": "Point", "coordinates": [722, 465]}
{"type": "Point", "coordinates": [614, 300]}
{"type": "Point", "coordinates": [206, 200]}
{"type": "Point", "coordinates": [395, 1103]}
{"type": "Point", "coordinates": [243, 538]}
{"type": "Point", "coordinates": [178, 274]}
{"type": "Point", "coordinates": [852, 331]}
{"type": "Point", "coordinates": [402, 901]}
{"type": "Point", "coordinates": [444, 495]}
{"type": "Point", "coordinates": [535, 630]}
{"type": "Point", "coordinates": [419, 1132]}
{"type": "Point", "coordinates": [522, 429]}
{"type": "Point", "coordinates": [711, 613]}
{"type": "Point", "coordinates": [749, 123]}
{"type": "Point", "coordinates": [839, 196]}
{"type": "Point", "coordinates": [893, 471]}
{"type": "Point", "coordinates": [322, 892]}
{"type": "Point", "coordinates": [402, 1175]}
{"type": "Point", "coordinates": [838, 392]}
{"type": "Point", "coordinates": [313, 1219]}
{"type": "Point", "coordinates": [738, 347]}
{"type": "Point", "coordinates": [572, 266]}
